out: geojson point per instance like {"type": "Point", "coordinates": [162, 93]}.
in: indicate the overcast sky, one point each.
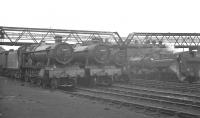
{"type": "Point", "coordinates": [123, 16]}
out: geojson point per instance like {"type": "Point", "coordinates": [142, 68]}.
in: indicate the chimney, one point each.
{"type": "Point", "coordinates": [58, 39]}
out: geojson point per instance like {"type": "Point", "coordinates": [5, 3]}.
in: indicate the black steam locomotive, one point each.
{"type": "Point", "coordinates": [187, 67]}
{"type": "Point", "coordinates": [60, 64]}
{"type": "Point", "coordinates": [44, 64]}
{"type": "Point", "coordinates": [95, 59]}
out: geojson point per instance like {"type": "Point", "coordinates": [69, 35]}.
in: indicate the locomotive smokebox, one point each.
{"type": "Point", "coordinates": [119, 58]}
{"type": "Point", "coordinates": [62, 53]}
{"type": "Point", "coordinates": [55, 54]}
{"type": "Point", "coordinates": [94, 53]}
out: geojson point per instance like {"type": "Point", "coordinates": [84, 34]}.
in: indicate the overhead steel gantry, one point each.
{"type": "Point", "coordinates": [179, 40]}
{"type": "Point", "coordinates": [21, 35]}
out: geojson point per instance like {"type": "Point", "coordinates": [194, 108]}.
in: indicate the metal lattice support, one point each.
{"type": "Point", "coordinates": [22, 35]}
{"type": "Point", "coordinates": [179, 40]}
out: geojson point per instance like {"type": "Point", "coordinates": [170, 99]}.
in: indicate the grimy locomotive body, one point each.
{"type": "Point", "coordinates": [95, 59]}
{"type": "Point", "coordinates": [60, 64]}
{"type": "Point", "coordinates": [44, 64]}
{"type": "Point", "coordinates": [187, 67]}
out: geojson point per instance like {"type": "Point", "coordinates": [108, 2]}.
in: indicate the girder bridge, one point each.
{"type": "Point", "coordinates": [178, 40]}
{"type": "Point", "coordinates": [17, 36]}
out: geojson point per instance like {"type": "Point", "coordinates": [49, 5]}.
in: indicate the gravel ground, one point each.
{"type": "Point", "coordinates": [19, 100]}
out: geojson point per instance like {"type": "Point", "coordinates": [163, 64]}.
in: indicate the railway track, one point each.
{"type": "Point", "coordinates": [165, 93]}
{"type": "Point", "coordinates": [163, 96]}
{"type": "Point", "coordinates": [181, 105]}
{"type": "Point", "coordinates": [181, 84]}
{"type": "Point", "coordinates": [148, 99]}
{"type": "Point", "coordinates": [184, 87]}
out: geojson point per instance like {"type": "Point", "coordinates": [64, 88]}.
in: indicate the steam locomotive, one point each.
{"type": "Point", "coordinates": [44, 64]}
{"type": "Point", "coordinates": [187, 67]}
{"type": "Point", "coordinates": [60, 64]}
{"type": "Point", "coordinates": [95, 59]}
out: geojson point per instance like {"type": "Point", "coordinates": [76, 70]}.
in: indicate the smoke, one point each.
{"type": "Point", "coordinates": [170, 47]}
